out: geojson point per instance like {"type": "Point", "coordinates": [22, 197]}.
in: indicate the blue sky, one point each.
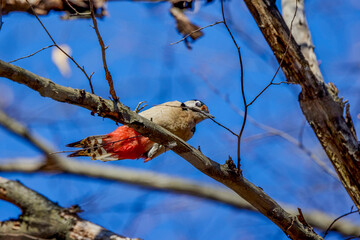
{"type": "Point", "coordinates": [145, 67]}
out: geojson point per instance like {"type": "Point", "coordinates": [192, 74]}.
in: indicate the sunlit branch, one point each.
{"type": "Point", "coordinates": [103, 49]}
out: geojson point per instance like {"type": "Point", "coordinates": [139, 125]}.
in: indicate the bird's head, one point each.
{"type": "Point", "coordinates": [200, 110]}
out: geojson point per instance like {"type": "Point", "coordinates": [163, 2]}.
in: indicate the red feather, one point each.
{"type": "Point", "coordinates": [126, 143]}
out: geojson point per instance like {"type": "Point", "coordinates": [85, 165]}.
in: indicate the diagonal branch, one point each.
{"type": "Point", "coordinates": [32, 54]}
{"type": "Point", "coordinates": [225, 174]}
{"type": "Point", "coordinates": [56, 222]}
{"type": "Point", "coordinates": [146, 179]}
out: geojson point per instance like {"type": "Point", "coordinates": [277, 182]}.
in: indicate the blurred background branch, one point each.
{"type": "Point", "coordinates": [56, 222]}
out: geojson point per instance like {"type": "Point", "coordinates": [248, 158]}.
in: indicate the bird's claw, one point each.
{"type": "Point", "coordinates": [139, 107]}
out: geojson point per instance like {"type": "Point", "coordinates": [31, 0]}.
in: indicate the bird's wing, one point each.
{"type": "Point", "coordinates": [173, 117]}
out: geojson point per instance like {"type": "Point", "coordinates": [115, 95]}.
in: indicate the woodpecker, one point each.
{"type": "Point", "coordinates": [180, 118]}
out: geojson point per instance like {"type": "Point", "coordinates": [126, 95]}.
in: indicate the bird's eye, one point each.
{"type": "Point", "coordinates": [198, 104]}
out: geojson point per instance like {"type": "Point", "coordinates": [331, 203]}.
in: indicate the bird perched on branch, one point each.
{"type": "Point", "coordinates": [125, 143]}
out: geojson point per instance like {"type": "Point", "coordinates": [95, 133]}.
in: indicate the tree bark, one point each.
{"type": "Point", "coordinates": [319, 102]}
{"type": "Point", "coordinates": [41, 218]}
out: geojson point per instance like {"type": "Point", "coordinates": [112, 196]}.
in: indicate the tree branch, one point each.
{"type": "Point", "coordinates": [319, 102]}
{"type": "Point", "coordinates": [103, 54]}
{"type": "Point", "coordinates": [55, 221]}
{"type": "Point", "coordinates": [162, 182]}
{"type": "Point", "coordinates": [225, 174]}
{"type": "Point", "coordinates": [301, 32]}
{"type": "Point", "coordinates": [146, 179]}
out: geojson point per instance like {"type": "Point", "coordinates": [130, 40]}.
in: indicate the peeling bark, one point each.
{"type": "Point", "coordinates": [319, 102]}
{"type": "Point", "coordinates": [41, 218]}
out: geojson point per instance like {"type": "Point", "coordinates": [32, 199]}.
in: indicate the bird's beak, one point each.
{"type": "Point", "coordinates": [210, 116]}
{"type": "Point", "coordinates": [206, 110]}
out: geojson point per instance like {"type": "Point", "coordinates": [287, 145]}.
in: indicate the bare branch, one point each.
{"type": "Point", "coordinates": [55, 221]}
{"type": "Point", "coordinates": [278, 68]}
{"type": "Point", "coordinates": [103, 49]}
{"type": "Point", "coordinates": [199, 29]}
{"type": "Point", "coordinates": [30, 55]}
{"type": "Point", "coordinates": [116, 111]}
{"type": "Point", "coordinates": [242, 87]}
{"type": "Point", "coordinates": [337, 219]}
{"type": "Point", "coordinates": [17, 128]}
{"type": "Point", "coordinates": [273, 131]}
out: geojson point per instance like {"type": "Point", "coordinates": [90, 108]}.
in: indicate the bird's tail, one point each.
{"type": "Point", "coordinates": [94, 147]}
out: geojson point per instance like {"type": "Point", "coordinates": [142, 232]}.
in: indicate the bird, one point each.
{"type": "Point", "coordinates": [180, 118]}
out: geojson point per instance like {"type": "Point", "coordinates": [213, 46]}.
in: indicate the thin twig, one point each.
{"type": "Point", "coordinates": [199, 29]}
{"type": "Point", "coordinates": [273, 131]}
{"type": "Point", "coordinates": [224, 127]}
{"type": "Point", "coordinates": [52, 45]}
{"type": "Point", "coordinates": [242, 86]}
{"type": "Point", "coordinates": [56, 45]}
{"type": "Point", "coordinates": [282, 59]}
{"type": "Point", "coordinates": [282, 82]}
{"type": "Point", "coordinates": [338, 218]}
{"type": "Point", "coordinates": [211, 118]}
{"type": "Point", "coordinates": [103, 49]}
